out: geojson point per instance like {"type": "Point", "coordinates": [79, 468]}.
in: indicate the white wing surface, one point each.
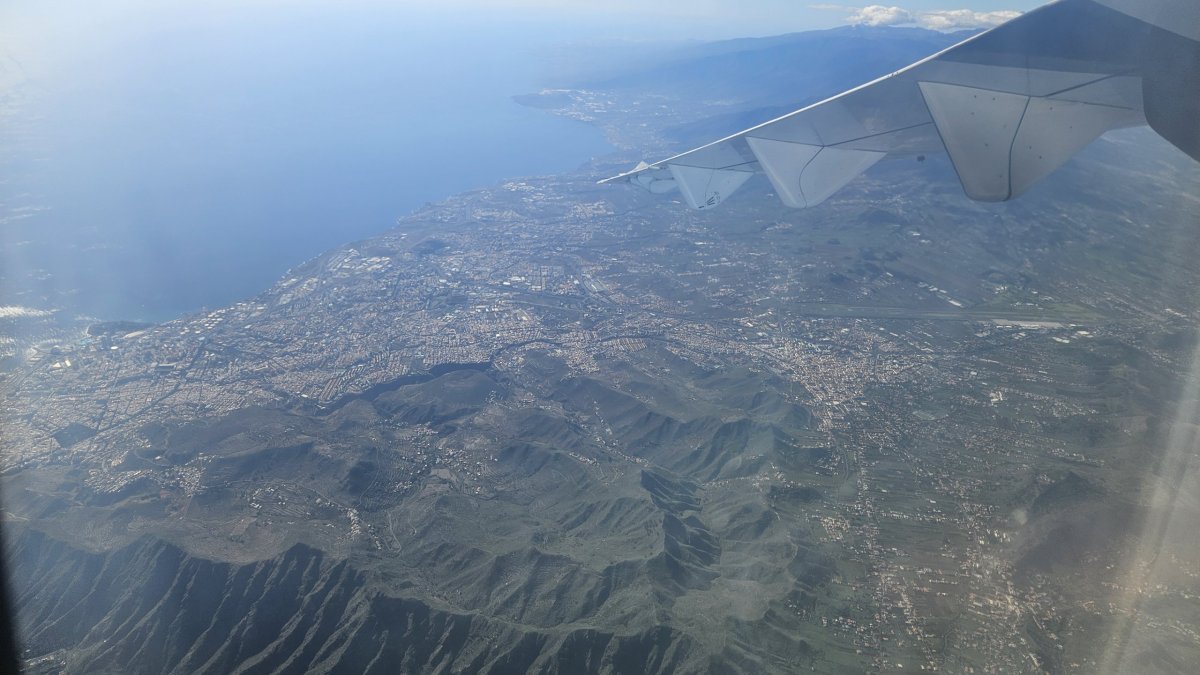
{"type": "Point", "coordinates": [1009, 106]}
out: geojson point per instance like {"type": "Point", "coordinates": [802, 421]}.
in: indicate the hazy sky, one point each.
{"type": "Point", "coordinates": [25, 20]}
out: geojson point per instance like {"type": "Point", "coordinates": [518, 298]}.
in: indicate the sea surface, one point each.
{"type": "Point", "coordinates": [171, 163]}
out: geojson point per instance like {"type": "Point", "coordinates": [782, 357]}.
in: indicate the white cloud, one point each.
{"type": "Point", "coordinates": [959, 19]}
{"type": "Point", "coordinates": [939, 19]}
{"type": "Point", "coordinates": [879, 15]}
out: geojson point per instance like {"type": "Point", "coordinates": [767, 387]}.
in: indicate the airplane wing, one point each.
{"type": "Point", "coordinates": [1009, 106]}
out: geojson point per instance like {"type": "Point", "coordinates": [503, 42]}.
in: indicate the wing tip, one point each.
{"type": "Point", "coordinates": [627, 175]}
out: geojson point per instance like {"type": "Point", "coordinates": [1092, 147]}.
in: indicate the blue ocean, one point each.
{"type": "Point", "coordinates": [176, 162]}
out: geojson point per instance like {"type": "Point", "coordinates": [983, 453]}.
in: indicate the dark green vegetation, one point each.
{"type": "Point", "coordinates": [528, 514]}
{"type": "Point", "coordinates": [555, 427]}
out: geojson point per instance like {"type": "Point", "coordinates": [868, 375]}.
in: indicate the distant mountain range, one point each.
{"type": "Point", "coordinates": [768, 77]}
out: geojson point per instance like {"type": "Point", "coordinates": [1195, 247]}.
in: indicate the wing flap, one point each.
{"type": "Point", "coordinates": [784, 163]}
{"type": "Point", "coordinates": [705, 188]}
{"type": "Point", "coordinates": [1051, 132]}
{"type": "Point", "coordinates": [978, 127]}
{"type": "Point", "coordinates": [1002, 143]}
{"type": "Point", "coordinates": [805, 175]}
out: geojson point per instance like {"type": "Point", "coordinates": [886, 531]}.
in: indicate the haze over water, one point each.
{"type": "Point", "coordinates": [179, 162]}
